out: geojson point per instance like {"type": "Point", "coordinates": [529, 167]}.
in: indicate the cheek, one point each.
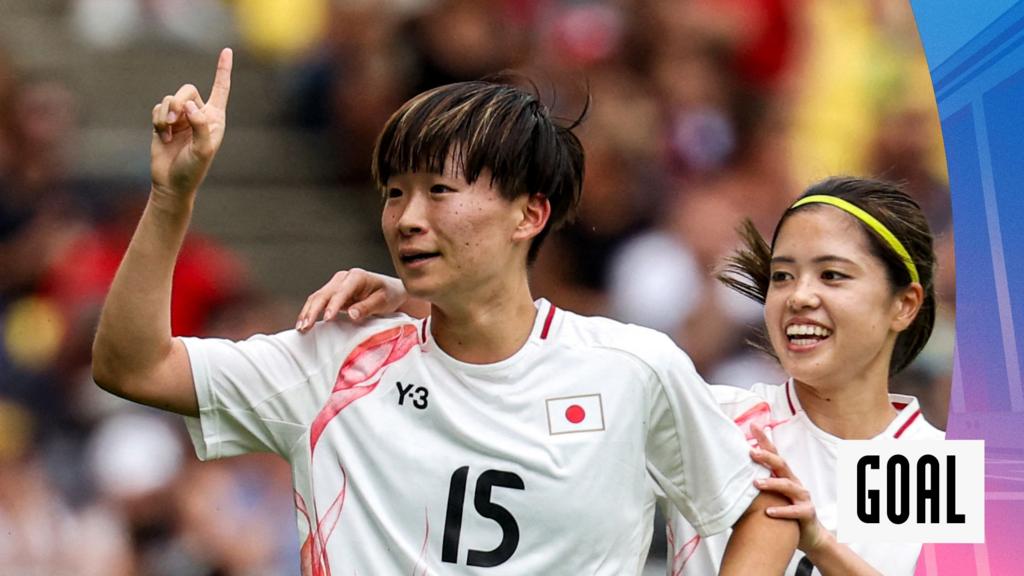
{"type": "Point", "coordinates": [866, 311]}
{"type": "Point", "coordinates": [773, 308]}
{"type": "Point", "coordinates": [388, 218]}
{"type": "Point", "coordinates": [774, 304]}
{"type": "Point", "coordinates": [476, 229]}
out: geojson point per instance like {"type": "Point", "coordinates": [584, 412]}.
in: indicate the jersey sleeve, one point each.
{"type": "Point", "coordinates": [257, 395]}
{"type": "Point", "coordinates": [697, 455]}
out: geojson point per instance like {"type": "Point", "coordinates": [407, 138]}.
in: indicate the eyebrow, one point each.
{"type": "Point", "coordinates": [828, 258]}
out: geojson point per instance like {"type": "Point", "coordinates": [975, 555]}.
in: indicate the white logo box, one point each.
{"type": "Point", "coordinates": [962, 461]}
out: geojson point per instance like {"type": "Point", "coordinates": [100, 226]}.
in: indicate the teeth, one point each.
{"type": "Point", "coordinates": [807, 330]}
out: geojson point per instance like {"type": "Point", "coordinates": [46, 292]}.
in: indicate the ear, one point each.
{"type": "Point", "coordinates": [535, 210]}
{"type": "Point", "coordinates": [906, 306]}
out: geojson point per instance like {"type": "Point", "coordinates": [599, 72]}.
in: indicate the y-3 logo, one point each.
{"type": "Point", "coordinates": [416, 394]}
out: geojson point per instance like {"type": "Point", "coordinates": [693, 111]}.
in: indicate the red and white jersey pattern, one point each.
{"type": "Point", "coordinates": [811, 453]}
{"type": "Point", "coordinates": [407, 461]}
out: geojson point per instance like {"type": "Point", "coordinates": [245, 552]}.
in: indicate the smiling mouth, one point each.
{"type": "Point", "coordinates": [802, 335]}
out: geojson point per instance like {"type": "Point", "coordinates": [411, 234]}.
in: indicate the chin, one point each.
{"type": "Point", "coordinates": [423, 288]}
{"type": "Point", "coordinates": [420, 290]}
{"type": "Point", "coordinates": [807, 371]}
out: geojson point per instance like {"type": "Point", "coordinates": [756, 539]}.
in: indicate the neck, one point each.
{"type": "Point", "coordinates": [857, 409]}
{"type": "Point", "coordinates": [486, 329]}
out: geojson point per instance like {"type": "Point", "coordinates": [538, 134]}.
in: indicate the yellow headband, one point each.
{"type": "Point", "coordinates": [872, 223]}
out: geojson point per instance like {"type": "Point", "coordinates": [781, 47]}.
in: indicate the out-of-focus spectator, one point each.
{"type": "Point", "coordinates": [113, 24]}
{"type": "Point", "coordinates": [903, 151]}
{"type": "Point", "coordinates": [761, 35]}
{"type": "Point", "coordinates": [42, 533]}
{"type": "Point", "coordinates": [621, 190]}
{"type": "Point", "coordinates": [7, 88]}
{"type": "Point", "coordinates": [457, 40]}
{"type": "Point", "coordinates": [695, 89]}
{"type": "Point", "coordinates": [34, 231]}
{"type": "Point", "coordinates": [844, 88]}
{"type": "Point", "coordinates": [665, 279]}
{"type": "Point", "coordinates": [234, 519]}
{"type": "Point", "coordinates": [349, 87]}
{"type": "Point", "coordinates": [43, 124]}
{"type": "Point", "coordinates": [207, 275]}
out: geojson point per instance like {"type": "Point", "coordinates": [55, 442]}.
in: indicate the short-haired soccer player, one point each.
{"type": "Point", "coordinates": [499, 436]}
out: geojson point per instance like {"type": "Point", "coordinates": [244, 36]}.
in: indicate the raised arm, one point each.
{"type": "Point", "coordinates": [134, 354]}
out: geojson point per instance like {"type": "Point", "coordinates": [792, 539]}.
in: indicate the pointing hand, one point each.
{"type": "Point", "coordinates": [188, 132]}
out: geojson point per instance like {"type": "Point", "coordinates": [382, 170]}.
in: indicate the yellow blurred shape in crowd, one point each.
{"type": "Point", "coordinates": [281, 29]}
{"type": "Point", "coordinates": [33, 332]}
{"type": "Point", "coordinates": [861, 61]}
{"type": "Point", "coordinates": [15, 431]}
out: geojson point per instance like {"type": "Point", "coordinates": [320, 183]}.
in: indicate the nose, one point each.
{"type": "Point", "coordinates": [411, 219]}
{"type": "Point", "coordinates": [804, 295]}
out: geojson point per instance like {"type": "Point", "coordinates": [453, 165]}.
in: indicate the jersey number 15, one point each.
{"type": "Point", "coordinates": [482, 502]}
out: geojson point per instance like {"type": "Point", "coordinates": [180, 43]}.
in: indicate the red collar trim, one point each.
{"type": "Point", "coordinates": [547, 322]}
{"type": "Point", "coordinates": [907, 423]}
{"type": "Point", "coordinates": [789, 399]}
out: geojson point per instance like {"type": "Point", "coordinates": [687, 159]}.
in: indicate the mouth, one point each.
{"type": "Point", "coordinates": [804, 336]}
{"type": "Point", "coordinates": [413, 259]}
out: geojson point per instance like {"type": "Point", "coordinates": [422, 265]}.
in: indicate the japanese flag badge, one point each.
{"type": "Point", "coordinates": [575, 414]}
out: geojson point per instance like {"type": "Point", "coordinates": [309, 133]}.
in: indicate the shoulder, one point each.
{"type": "Point", "coordinates": [914, 424]}
{"type": "Point", "coordinates": [325, 339]}
{"type": "Point", "coordinates": [734, 396]}
{"type": "Point", "coordinates": [595, 332]}
{"type": "Point", "coordinates": [770, 392]}
{"type": "Point", "coordinates": [923, 430]}
{"type": "Point", "coordinates": [344, 329]}
{"type": "Point", "coordinates": [651, 351]}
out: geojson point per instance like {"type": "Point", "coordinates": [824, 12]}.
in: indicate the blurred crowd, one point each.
{"type": "Point", "coordinates": [698, 113]}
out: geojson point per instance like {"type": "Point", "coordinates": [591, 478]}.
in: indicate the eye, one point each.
{"type": "Point", "coordinates": [780, 276]}
{"type": "Point", "coordinates": [394, 193]}
{"type": "Point", "coordinates": [440, 189]}
{"type": "Point", "coordinates": [832, 275]}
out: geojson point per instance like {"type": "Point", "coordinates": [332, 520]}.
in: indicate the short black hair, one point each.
{"type": "Point", "coordinates": [491, 125]}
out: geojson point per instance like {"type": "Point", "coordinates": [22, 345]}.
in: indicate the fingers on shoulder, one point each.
{"type": "Point", "coordinates": [771, 460]}
{"type": "Point", "coordinates": [375, 303]}
{"type": "Point", "coordinates": [787, 487]}
{"type": "Point", "coordinates": [344, 290]}
{"type": "Point", "coordinates": [792, 512]}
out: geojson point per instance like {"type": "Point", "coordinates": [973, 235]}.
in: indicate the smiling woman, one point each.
{"type": "Point", "coordinates": [832, 314]}
{"type": "Point", "coordinates": [873, 217]}
{"type": "Point", "coordinates": [849, 301]}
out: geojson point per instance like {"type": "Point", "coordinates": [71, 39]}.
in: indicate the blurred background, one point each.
{"type": "Point", "coordinates": [703, 112]}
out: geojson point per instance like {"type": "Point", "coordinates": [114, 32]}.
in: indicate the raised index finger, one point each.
{"type": "Point", "coordinates": [222, 81]}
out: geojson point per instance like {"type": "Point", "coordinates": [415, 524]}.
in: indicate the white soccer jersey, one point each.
{"type": "Point", "coordinates": [407, 461]}
{"type": "Point", "coordinates": [811, 453]}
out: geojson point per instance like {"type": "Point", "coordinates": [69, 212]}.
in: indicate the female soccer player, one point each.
{"type": "Point", "coordinates": [500, 433]}
{"type": "Point", "coordinates": [849, 302]}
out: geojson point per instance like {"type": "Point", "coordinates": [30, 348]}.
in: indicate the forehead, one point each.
{"type": "Point", "coordinates": [452, 173]}
{"type": "Point", "coordinates": [821, 229]}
